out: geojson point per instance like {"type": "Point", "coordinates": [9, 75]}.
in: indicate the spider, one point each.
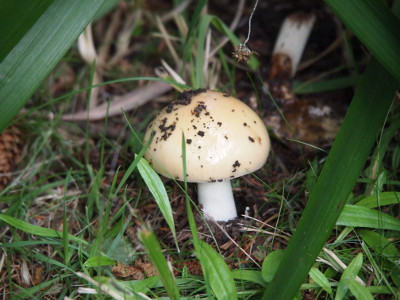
{"type": "Point", "coordinates": [242, 53]}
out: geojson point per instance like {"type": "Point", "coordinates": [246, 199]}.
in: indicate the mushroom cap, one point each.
{"type": "Point", "coordinates": [224, 138]}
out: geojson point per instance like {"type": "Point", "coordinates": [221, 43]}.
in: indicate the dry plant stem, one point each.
{"type": "Point", "coordinates": [171, 48]}
{"type": "Point", "coordinates": [166, 72]}
{"type": "Point", "coordinates": [124, 37]}
{"type": "Point", "coordinates": [104, 51]}
{"type": "Point", "coordinates": [176, 11]}
{"type": "Point", "coordinates": [94, 96]}
{"type": "Point", "coordinates": [291, 42]}
{"type": "Point", "coordinates": [214, 74]}
{"type": "Point", "coordinates": [267, 225]}
{"type": "Point", "coordinates": [181, 24]}
{"type": "Point", "coordinates": [127, 102]}
{"type": "Point", "coordinates": [217, 200]}
{"type": "Point", "coordinates": [207, 58]}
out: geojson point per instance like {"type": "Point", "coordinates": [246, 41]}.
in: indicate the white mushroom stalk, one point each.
{"type": "Point", "coordinates": [290, 43]}
{"type": "Point", "coordinates": [217, 200]}
{"type": "Point", "coordinates": [225, 139]}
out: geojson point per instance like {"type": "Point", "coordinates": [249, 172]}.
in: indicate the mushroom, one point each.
{"type": "Point", "coordinates": [225, 139]}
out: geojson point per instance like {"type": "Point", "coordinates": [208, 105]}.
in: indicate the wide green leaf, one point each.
{"type": "Point", "coordinates": [32, 46]}
{"type": "Point", "coordinates": [380, 199]}
{"type": "Point", "coordinates": [349, 273]}
{"type": "Point", "coordinates": [359, 291]}
{"type": "Point", "coordinates": [217, 272]}
{"type": "Point", "coordinates": [376, 27]}
{"type": "Point", "coordinates": [158, 191]}
{"type": "Point", "coordinates": [359, 216]}
{"type": "Point", "coordinates": [380, 245]}
{"type": "Point", "coordinates": [152, 245]}
{"type": "Point", "coordinates": [320, 278]}
{"type": "Point", "coordinates": [249, 275]}
{"type": "Point", "coordinates": [270, 265]}
{"type": "Point", "coordinates": [13, 29]}
{"type": "Point", "coordinates": [99, 260]}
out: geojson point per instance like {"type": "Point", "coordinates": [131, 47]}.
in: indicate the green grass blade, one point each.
{"type": "Point", "coordinates": [33, 57]}
{"type": "Point", "coordinates": [204, 24]}
{"type": "Point", "coordinates": [365, 117]}
{"type": "Point", "coordinates": [324, 85]}
{"type": "Point", "coordinates": [159, 193]}
{"type": "Point", "coordinates": [192, 222]}
{"type": "Point", "coordinates": [22, 244]}
{"type": "Point", "coordinates": [195, 17]}
{"type": "Point", "coordinates": [65, 219]}
{"type": "Point", "coordinates": [376, 27]}
{"type": "Point", "coordinates": [50, 261]}
{"type": "Point", "coordinates": [358, 216]}
{"type": "Point", "coordinates": [152, 245]}
{"type": "Point", "coordinates": [37, 230]}
{"type": "Point", "coordinates": [379, 271]}
{"type": "Point", "coordinates": [218, 273]}
{"type": "Point", "coordinates": [29, 293]}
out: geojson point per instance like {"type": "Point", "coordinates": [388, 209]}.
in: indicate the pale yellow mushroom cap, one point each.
{"type": "Point", "coordinates": [224, 138]}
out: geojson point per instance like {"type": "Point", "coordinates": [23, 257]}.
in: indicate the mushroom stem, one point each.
{"type": "Point", "coordinates": [290, 44]}
{"type": "Point", "coordinates": [217, 200]}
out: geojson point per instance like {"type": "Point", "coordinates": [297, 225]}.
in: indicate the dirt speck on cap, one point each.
{"type": "Point", "coordinates": [184, 99]}
{"type": "Point", "coordinates": [236, 164]}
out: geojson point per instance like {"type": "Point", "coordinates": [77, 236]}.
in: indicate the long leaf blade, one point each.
{"type": "Point", "coordinates": [221, 280]}
{"type": "Point", "coordinates": [376, 26]}
{"type": "Point", "coordinates": [349, 273]}
{"type": "Point", "coordinates": [34, 229]}
{"type": "Point", "coordinates": [380, 199]}
{"type": "Point", "coordinates": [38, 51]}
{"type": "Point", "coordinates": [158, 191]}
{"type": "Point", "coordinates": [358, 216]}
{"type": "Point", "coordinates": [152, 245]}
